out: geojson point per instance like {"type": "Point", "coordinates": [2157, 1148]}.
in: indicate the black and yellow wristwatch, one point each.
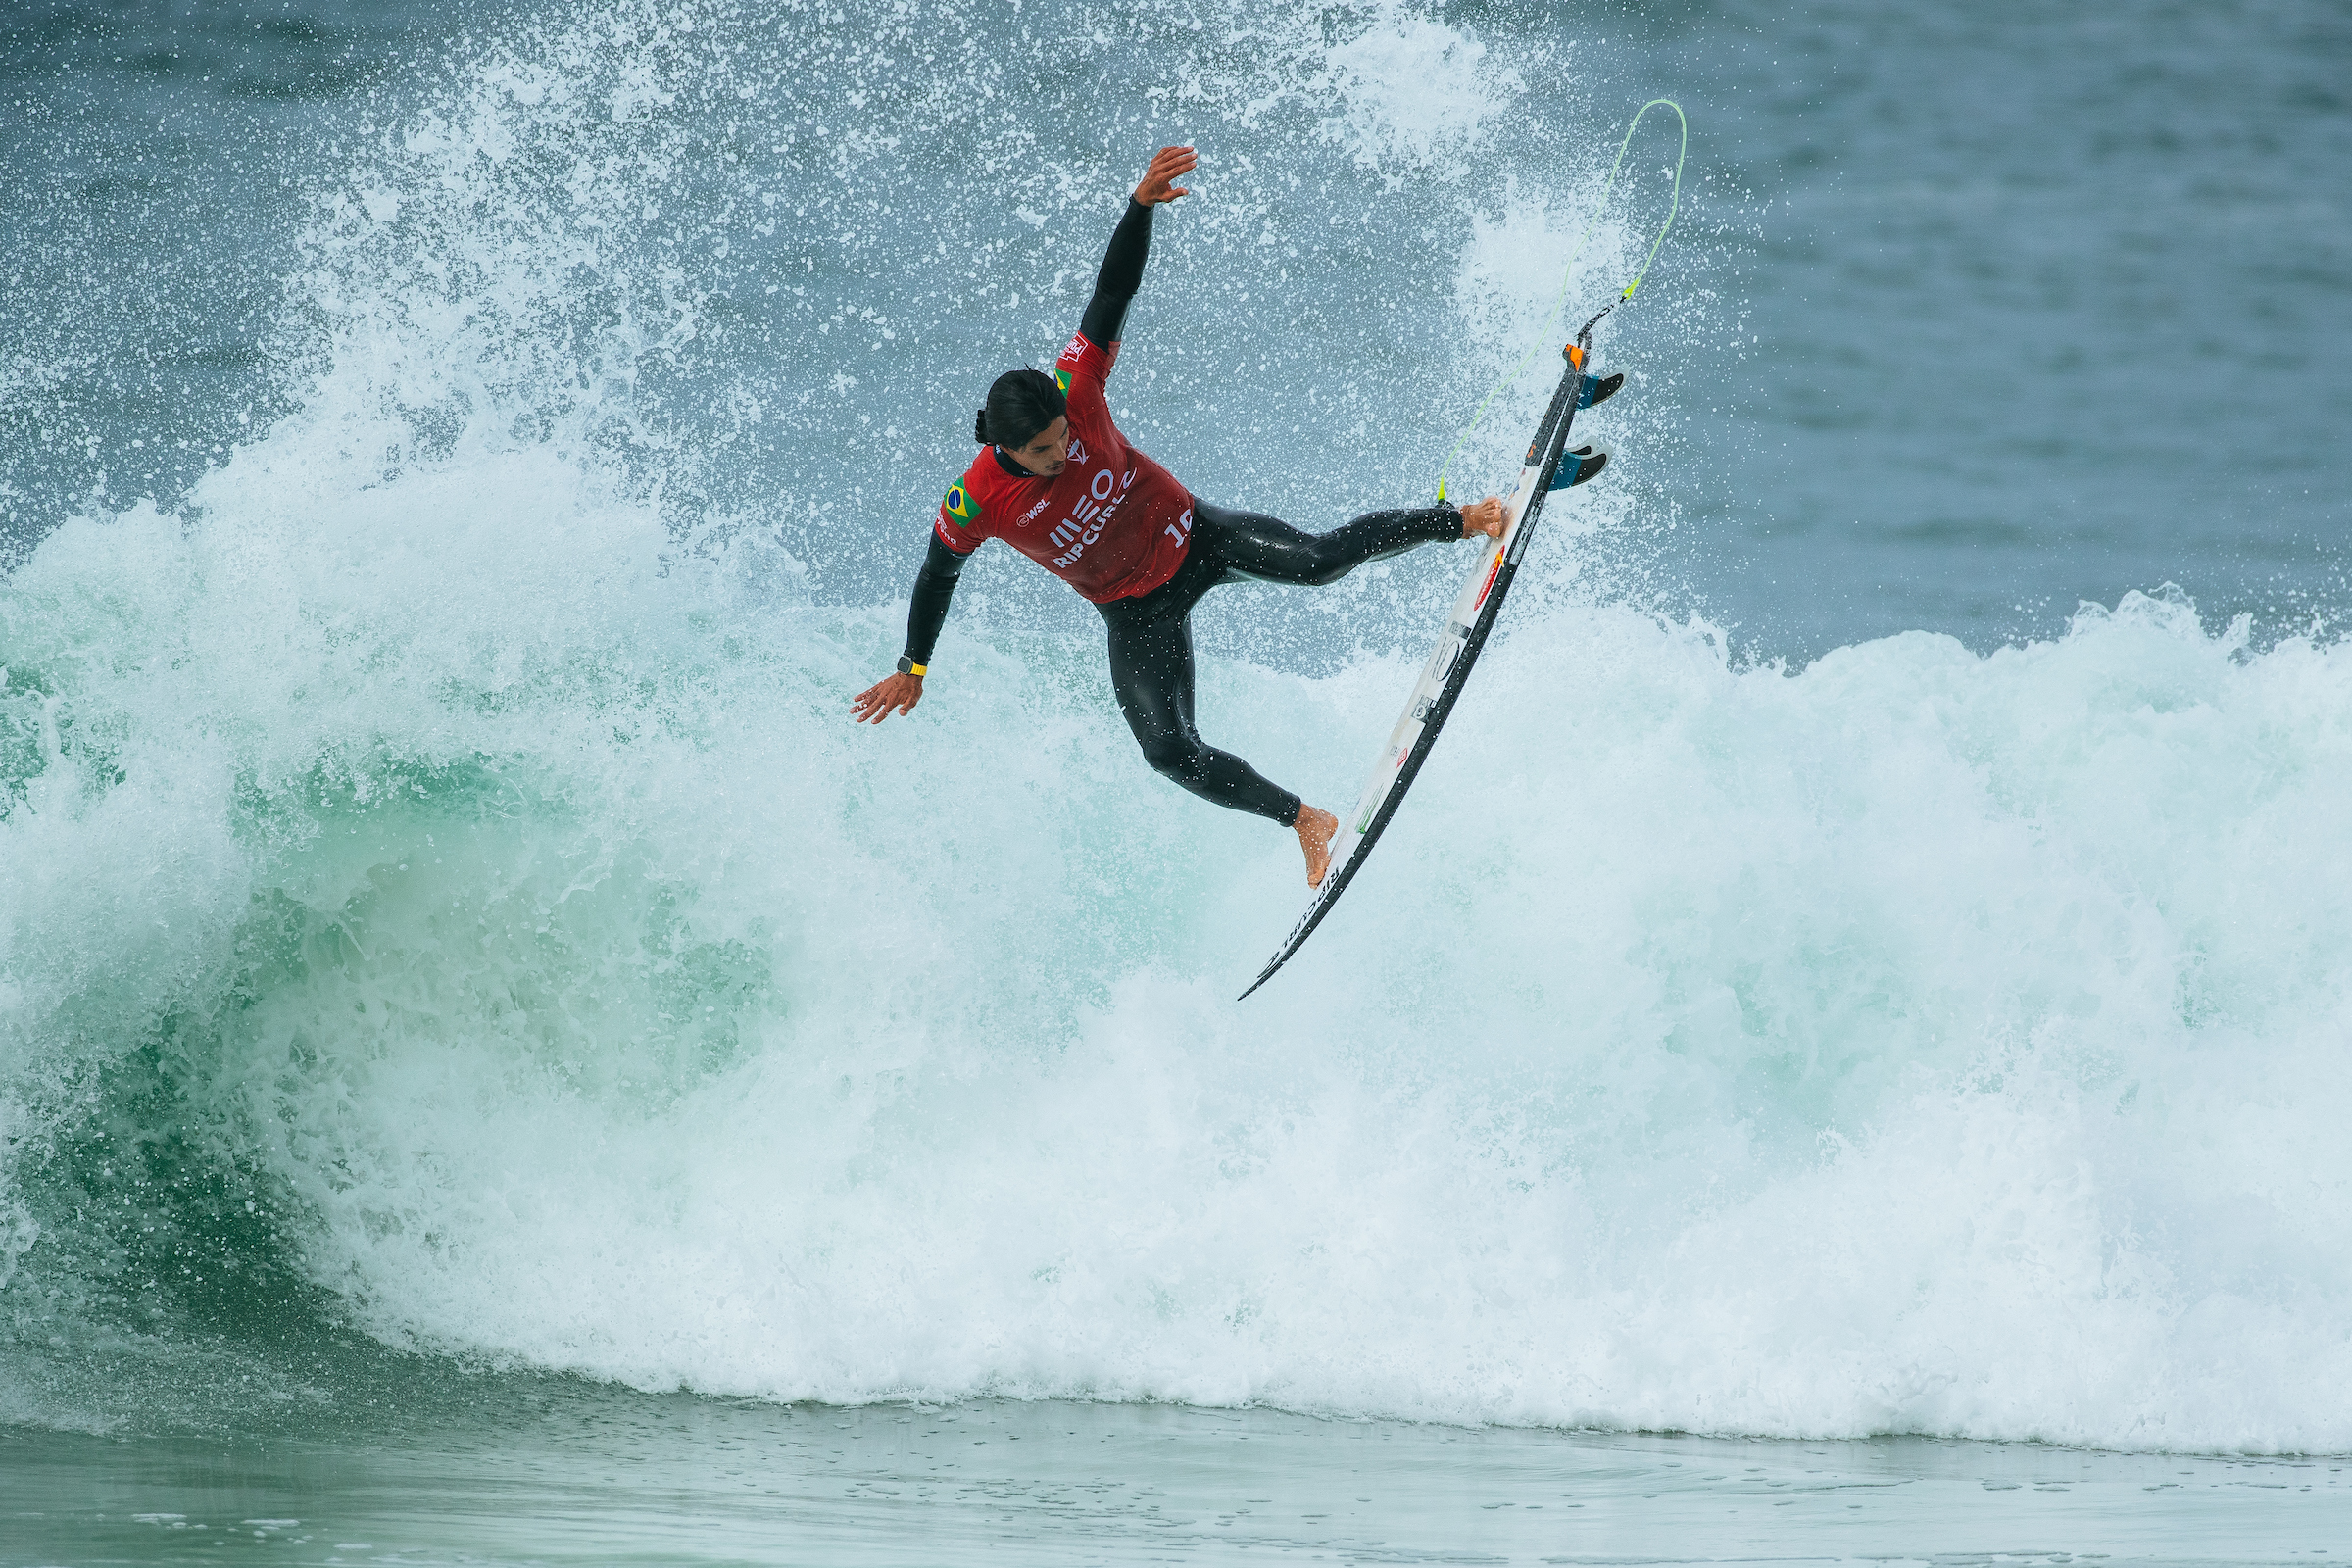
{"type": "Point", "coordinates": [908, 666]}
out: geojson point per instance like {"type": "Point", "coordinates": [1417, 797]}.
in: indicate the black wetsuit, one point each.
{"type": "Point", "coordinates": [1150, 633]}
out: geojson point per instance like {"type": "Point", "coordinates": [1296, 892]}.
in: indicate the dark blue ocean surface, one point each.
{"type": "Point", "coordinates": [2048, 303]}
{"type": "Point", "coordinates": [2002, 311]}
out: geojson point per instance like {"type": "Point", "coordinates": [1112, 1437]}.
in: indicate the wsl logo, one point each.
{"type": "Point", "coordinates": [959, 505]}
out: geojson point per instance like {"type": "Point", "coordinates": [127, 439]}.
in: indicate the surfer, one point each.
{"type": "Point", "coordinates": [1057, 480]}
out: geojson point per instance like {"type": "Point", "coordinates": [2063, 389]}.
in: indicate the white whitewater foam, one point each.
{"type": "Point", "coordinates": [1924, 1042]}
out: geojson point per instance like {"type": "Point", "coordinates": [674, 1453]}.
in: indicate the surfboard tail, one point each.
{"type": "Point", "coordinates": [1448, 667]}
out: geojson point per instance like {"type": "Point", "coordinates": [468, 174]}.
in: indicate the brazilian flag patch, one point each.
{"type": "Point", "coordinates": [1061, 379]}
{"type": "Point", "coordinates": [960, 506]}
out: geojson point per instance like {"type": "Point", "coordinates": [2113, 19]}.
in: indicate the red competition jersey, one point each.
{"type": "Point", "coordinates": [1112, 524]}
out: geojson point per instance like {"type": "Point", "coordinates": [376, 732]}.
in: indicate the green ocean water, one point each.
{"type": "Point", "coordinates": [518, 1470]}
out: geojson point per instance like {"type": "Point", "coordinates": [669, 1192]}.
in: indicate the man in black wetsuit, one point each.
{"type": "Point", "coordinates": [1057, 480]}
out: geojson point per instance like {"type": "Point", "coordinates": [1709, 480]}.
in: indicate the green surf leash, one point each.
{"type": "Point", "coordinates": [1543, 333]}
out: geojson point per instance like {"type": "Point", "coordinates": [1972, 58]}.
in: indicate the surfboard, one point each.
{"type": "Point", "coordinates": [1448, 669]}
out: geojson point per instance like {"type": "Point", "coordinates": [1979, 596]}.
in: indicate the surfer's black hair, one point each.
{"type": "Point", "coordinates": [1020, 403]}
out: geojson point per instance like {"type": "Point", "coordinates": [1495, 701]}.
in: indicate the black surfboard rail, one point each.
{"type": "Point", "coordinates": [1550, 444]}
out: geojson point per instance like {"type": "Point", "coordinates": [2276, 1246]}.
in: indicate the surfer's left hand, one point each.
{"type": "Point", "coordinates": [1168, 164]}
{"type": "Point", "coordinates": [1483, 516]}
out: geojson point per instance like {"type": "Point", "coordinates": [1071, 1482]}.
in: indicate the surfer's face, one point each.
{"type": "Point", "coordinates": [1048, 451]}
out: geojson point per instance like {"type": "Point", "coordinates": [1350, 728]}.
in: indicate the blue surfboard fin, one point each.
{"type": "Point", "coordinates": [1579, 466]}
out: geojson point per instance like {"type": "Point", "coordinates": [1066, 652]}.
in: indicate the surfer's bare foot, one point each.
{"type": "Point", "coordinates": [1314, 829]}
{"type": "Point", "coordinates": [1483, 516]}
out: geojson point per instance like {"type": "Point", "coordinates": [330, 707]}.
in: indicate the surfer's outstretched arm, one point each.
{"type": "Point", "coordinates": [1122, 269]}
{"type": "Point", "coordinates": [934, 587]}
{"type": "Point", "coordinates": [1105, 316]}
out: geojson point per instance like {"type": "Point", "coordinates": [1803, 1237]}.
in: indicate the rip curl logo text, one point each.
{"type": "Point", "coordinates": [1092, 515]}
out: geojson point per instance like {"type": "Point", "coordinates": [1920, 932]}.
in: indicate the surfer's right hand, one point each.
{"type": "Point", "coordinates": [893, 694]}
{"type": "Point", "coordinates": [1483, 516]}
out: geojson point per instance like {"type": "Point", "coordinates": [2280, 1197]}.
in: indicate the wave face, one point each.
{"type": "Point", "coordinates": [442, 896]}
